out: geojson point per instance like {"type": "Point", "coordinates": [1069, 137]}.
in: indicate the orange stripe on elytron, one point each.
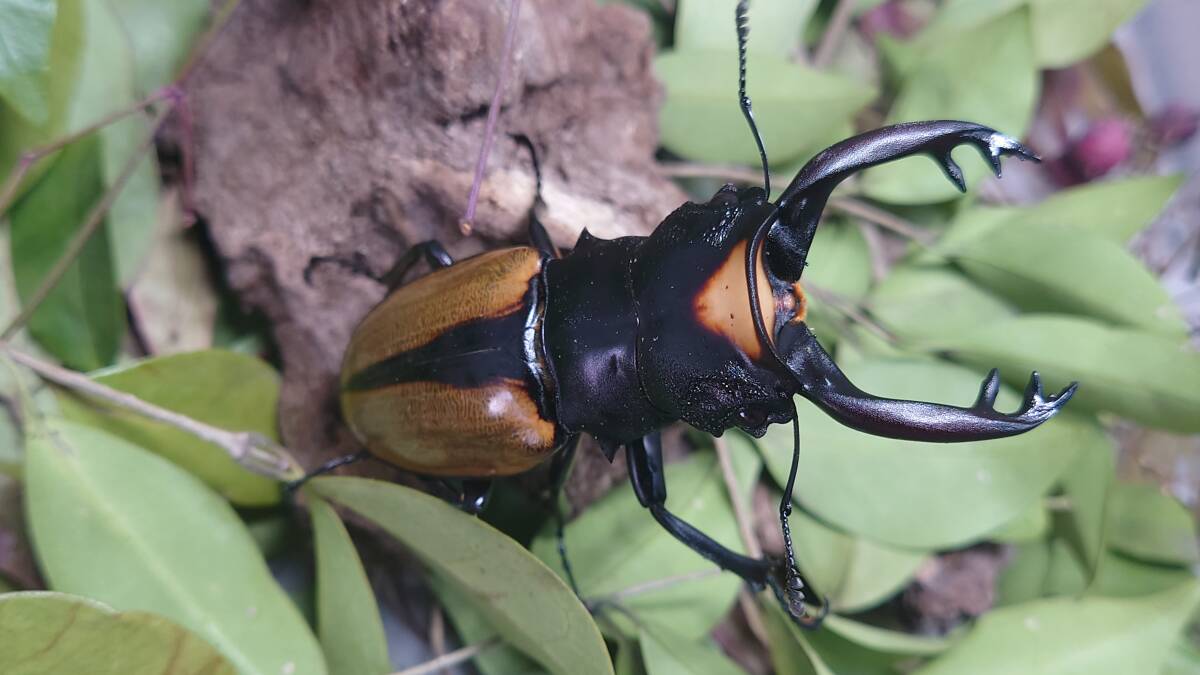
{"type": "Point", "coordinates": [723, 304]}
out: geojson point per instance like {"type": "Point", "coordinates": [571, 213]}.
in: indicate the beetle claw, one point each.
{"type": "Point", "coordinates": [987, 392]}
{"type": "Point", "coordinates": [953, 171]}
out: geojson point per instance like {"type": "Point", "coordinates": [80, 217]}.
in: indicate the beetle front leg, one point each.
{"type": "Point", "coordinates": [822, 382]}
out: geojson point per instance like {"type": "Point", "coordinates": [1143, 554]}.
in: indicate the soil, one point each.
{"type": "Point", "coordinates": [350, 129]}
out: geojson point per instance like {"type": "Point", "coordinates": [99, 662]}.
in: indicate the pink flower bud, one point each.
{"type": "Point", "coordinates": [1105, 146]}
{"type": "Point", "coordinates": [890, 18]}
{"type": "Point", "coordinates": [1173, 125]}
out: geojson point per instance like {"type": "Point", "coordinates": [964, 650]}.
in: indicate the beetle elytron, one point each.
{"type": "Point", "coordinates": [488, 366]}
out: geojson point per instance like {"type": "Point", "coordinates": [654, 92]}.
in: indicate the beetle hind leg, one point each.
{"type": "Point", "coordinates": [560, 468]}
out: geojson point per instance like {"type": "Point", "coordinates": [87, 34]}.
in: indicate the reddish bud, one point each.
{"type": "Point", "coordinates": [1105, 146]}
{"type": "Point", "coordinates": [891, 18]}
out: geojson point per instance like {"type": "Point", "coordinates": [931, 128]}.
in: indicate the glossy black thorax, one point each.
{"type": "Point", "coordinates": [644, 331]}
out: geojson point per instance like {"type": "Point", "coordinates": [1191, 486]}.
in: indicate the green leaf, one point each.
{"type": "Point", "coordinates": [1120, 576]}
{"type": "Point", "coordinates": [161, 34]}
{"type": "Point", "coordinates": [82, 320]}
{"type": "Point", "coordinates": [616, 544]}
{"type": "Point", "coordinates": [55, 633]}
{"type": "Point", "coordinates": [1066, 31]}
{"type": "Point", "coordinates": [1086, 486]}
{"type": "Point", "coordinates": [916, 302]}
{"type": "Point", "coordinates": [25, 54]}
{"type": "Point", "coordinates": [1024, 578]}
{"type": "Point", "coordinates": [348, 620]}
{"type": "Point", "coordinates": [474, 628]}
{"type": "Point", "coordinates": [795, 106]}
{"type": "Point", "coordinates": [841, 266]}
{"type": "Point", "coordinates": [985, 74]}
{"type": "Point", "coordinates": [226, 389]}
{"type": "Point", "coordinates": [1184, 658]}
{"type": "Point", "coordinates": [1055, 270]}
{"type": "Point", "coordinates": [1147, 378]}
{"type": "Point", "coordinates": [526, 602]}
{"type": "Point", "coordinates": [775, 27]}
{"type": "Point", "coordinates": [668, 653]}
{"type": "Point", "coordinates": [790, 652]}
{"type": "Point", "coordinates": [157, 540]}
{"type": "Point", "coordinates": [1065, 636]}
{"type": "Point", "coordinates": [1031, 525]}
{"type": "Point", "coordinates": [1147, 524]}
{"type": "Point", "coordinates": [1114, 209]}
{"type": "Point", "coordinates": [886, 641]}
{"type": "Point", "coordinates": [854, 573]}
{"type": "Point", "coordinates": [922, 495]}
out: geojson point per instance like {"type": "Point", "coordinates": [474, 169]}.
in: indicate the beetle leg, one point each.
{"type": "Point", "coordinates": [646, 475]}
{"type": "Point", "coordinates": [537, 232]}
{"type": "Point", "coordinates": [560, 468]}
{"type": "Point", "coordinates": [325, 468]}
{"type": "Point", "coordinates": [802, 202]}
{"type": "Point", "coordinates": [433, 252]}
{"type": "Point", "coordinates": [822, 382]}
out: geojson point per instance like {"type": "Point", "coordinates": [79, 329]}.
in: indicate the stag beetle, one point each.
{"type": "Point", "coordinates": [488, 366]}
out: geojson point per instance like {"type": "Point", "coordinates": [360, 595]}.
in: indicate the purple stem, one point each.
{"type": "Point", "coordinates": [489, 131]}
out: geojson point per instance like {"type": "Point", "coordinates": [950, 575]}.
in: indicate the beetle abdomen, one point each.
{"type": "Point", "coordinates": [446, 375]}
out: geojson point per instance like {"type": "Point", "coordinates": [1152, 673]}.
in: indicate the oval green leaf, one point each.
{"type": "Point", "coordinates": [667, 653]}
{"type": "Point", "coordinates": [25, 33]}
{"type": "Point", "coordinates": [886, 641]}
{"type": "Point", "coordinates": [473, 627]}
{"type": "Point", "coordinates": [526, 602]}
{"type": "Point", "coordinates": [708, 24]}
{"type": "Point", "coordinates": [157, 540]}
{"type": "Point", "coordinates": [616, 544]}
{"type": "Point", "coordinates": [1066, 31]}
{"type": "Point", "coordinates": [922, 495]}
{"type": "Point", "coordinates": [795, 107]}
{"type": "Point", "coordinates": [1086, 486]}
{"type": "Point", "coordinates": [348, 622]}
{"type": "Point", "coordinates": [854, 573]}
{"type": "Point", "coordinates": [225, 389]}
{"type": "Point", "coordinates": [82, 320]}
{"type": "Point", "coordinates": [1148, 378]}
{"type": "Point", "coordinates": [985, 74]}
{"type": "Point", "coordinates": [1066, 270]}
{"type": "Point", "coordinates": [1150, 525]}
{"type": "Point", "coordinates": [917, 301]}
{"type": "Point", "coordinates": [57, 633]}
{"type": "Point", "coordinates": [1066, 636]}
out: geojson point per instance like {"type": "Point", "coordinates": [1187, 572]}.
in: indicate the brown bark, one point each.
{"type": "Point", "coordinates": [336, 127]}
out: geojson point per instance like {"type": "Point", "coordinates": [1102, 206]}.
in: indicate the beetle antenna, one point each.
{"type": "Point", "coordinates": [742, 21]}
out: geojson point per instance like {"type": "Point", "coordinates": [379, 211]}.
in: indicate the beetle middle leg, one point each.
{"type": "Point", "coordinates": [560, 468]}
{"type": "Point", "coordinates": [649, 484]}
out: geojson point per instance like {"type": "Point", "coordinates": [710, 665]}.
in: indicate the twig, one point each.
{"type": "Point", "coordinates": [839, 21]}
{"type": "Point", "coordinates": [654, 585]}
{"type": "Point", "coordinates": [731, 172]}
{"type": "Point", "coordinates": [451, 659]}
{"type": "Point", "coordinates": [31, 157]}
{"type": "Point", "coordinates": [847, 308]}
{"type": "Point", "coordinates": [437, 632]}
{"type": "Point", "coordinates": [883, 218]}
{"type": "Point", "coordinates": [251, 450]}
{"type": "Point", "coordinates": [744, 520]}
{"type": "Point", "coordinates": [875, 251]}
{"type": "Point", "coordinates": [489, 130]}
{"type": "Point", "coordinates": [94, 219]}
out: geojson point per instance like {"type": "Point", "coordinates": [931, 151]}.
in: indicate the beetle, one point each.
{"type": "Point", "coordinates": [489, 366]}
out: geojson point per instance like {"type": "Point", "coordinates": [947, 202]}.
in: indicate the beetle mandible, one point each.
{"type": "Point", "coordinates": [488, 366]}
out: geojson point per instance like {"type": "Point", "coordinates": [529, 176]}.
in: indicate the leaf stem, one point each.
{"type": "Point", "coordinates": [741, 514]}
{"type": "Point", "coordinates": [451, 659]}
{"type": "Point", "coordinates": [253, 451]}
{"type": "Point", "coordinates": [91, 225]}
{"type": "Point", "coordinates": [30, 158]}
{"type": "Point", "coordinates": [839, 21]}
{"type": "Point", "coordinates": [654, 585]}
{"type": "Point", "coordinates": [850, 310]}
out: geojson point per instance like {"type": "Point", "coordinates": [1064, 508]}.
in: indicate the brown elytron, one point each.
{"type": "Point", "coordinates": [428, 353]}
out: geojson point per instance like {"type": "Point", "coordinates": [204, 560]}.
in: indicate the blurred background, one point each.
{"type": "Point", "coordinates": [174, 174]}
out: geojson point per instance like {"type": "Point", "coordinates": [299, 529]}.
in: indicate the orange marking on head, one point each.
{"type": "Point", "coordinates": [723, 304]}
